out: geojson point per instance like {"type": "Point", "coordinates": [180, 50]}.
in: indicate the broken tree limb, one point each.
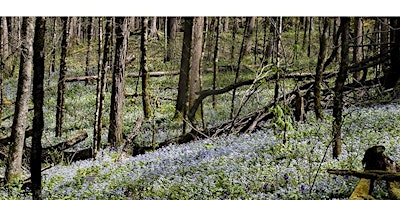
{"type": "Point", "coordinates": [133, 134]}
{"type": "Point", "coordinates": [368, 174]}
{"type": "Point", "coordinates": [79, 137]}
{"type": "Point", "coordinates": [7, 140]}
{"type": "Point", "coordinates": [361, 191]}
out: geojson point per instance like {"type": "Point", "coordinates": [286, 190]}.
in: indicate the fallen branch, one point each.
{"type": "Point", "coordinates": [129, 75]}
{"type": "Point", "coordinates": [368, 174]}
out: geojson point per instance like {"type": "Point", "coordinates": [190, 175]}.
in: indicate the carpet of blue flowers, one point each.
{"type": "Point", "coordinates": [251, 166]}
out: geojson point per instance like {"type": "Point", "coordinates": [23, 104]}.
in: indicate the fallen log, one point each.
{"type": "Point", "coordinates": [129, 75]}
{"type": "Point", "coordinates": [7, 140]}
{"type": "Point", "coordinates": [368, 174]}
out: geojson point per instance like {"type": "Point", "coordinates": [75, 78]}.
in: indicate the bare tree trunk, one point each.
{"type": "Point", "coordinates": [89, 46]}
{"type": "Point", "coordinates": [305, 28]}
{"type": "Point", "coordinates": [339, 86]}
{"type": "Point", "coordinates": [215, 63]}
{"type": "Point", "coordinates": [250, 22]}
{"type": "Point", "coordinates": [117, 94]}
{"type": "Point", "coordinates": [310, 28]}
{"type": "Point", "coordinates": [61, 80]}
{"type": "Point", "coordinates": [153, 27]}
{"type": "Point", "coordinates": [392, 75]}
{"type": "Point", "coordinates": [234, 31]}
{"type": "Point", "coordinates": [320, 66]}
{"type": "Point", "coordinates": [226, 24]}
{"type": "Point", "coordinates": [181, 102]}
{"type": "Point", "coordinates": [278, 41]}
{"type": "Point", "coordinates": [357, 52]}
{"type": "Point", "coordinates": [144, 70]}
{"type": "Point", "coordinates": [38, 95]}
{"type": "Point", "coordinates": [171, 35]}
{"type": "Point", "coordinates": [14, 162]}
{"type": "Point", "coordinates": [101, 84]}
{"type": "Point", "coordinates": [5, 46]}
{"type": "Point", "coordinates": [194, 81]}
{"type": "Point", "coordinates": [54, 48]}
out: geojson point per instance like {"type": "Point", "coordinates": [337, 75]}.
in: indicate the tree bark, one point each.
{"type": "Point", "coordinates": [54, 47]}
{"type": "Point", "coordinates": [14, 162]}
{"type": "Point", "coordinates": [215, 63]}
{"type": "Point", "coordinates": [144, 70]}
{"type": "Point", "coordinates": [117, 95]}
{"type": "Point", "coordinates": [195, 74]}
{"type": "Point", "coordinates": [234, 31]}
{"type": "Point", "coordinates": [181, 102]}
{"type": "Point", "coordinates": [357, 51]}
{"type": "Point", "coordinates": [171, 36]}
{"type": "Point", "coordinates": [250, 22]}
{"type": "Point", "coordinates": [38, 95]}
{"type": "Point", "coordinates": [5, 46]}
{"type": "Point", "coordinates": [153, 27]}
{"type": "Point", "coordinates": [340, 80]}
{"type": "Point", "coordinates": [393, 73]}
{"type": "Point", "coordinates": [319, 69]}
{"type": "Point", "coordinates": [61, 80]}
{"type": "Point", "coordinates": [89, 46]}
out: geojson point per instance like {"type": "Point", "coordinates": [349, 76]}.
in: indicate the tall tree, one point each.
{"type": "Point", "coordinates": [181, 101]}
{"type": "Point", "coordinates": [153, 27]}
{"type": "Point", "coordinates": [89, 45]}
{"type": "Point", "coordinates": [320, 65]}
{"type": "Point", "coordinates": [392, 75]}
{"type": "Point", "coordinates": [195, 73]}
{"type": "Point", "coordinates": [357, 50]}
{"type": "Point", "coordinates": [250, 23]}
{"type": "Point", "coordinates": [339, 87]}
{"type": "Point", "coordinates": [101, 82]}
{"type": "Point", "coordinates": [4, 42]}
{"type": "Point", "coordinates": [117, 94]}
{"type": "Point", "coordinates": [171, 35]}
{"type": "Point", "coordinates": [61, 81]}
{"type": "Point", "coordinates": [216, 55]}
{"type": "Point", "coordinates": [54, 48]}
{"type": "Point", "coordinates": [38, 95]}
{"type": "Point", "coordinates": [144, 70]}
{"type": "Point", "coordinates": [14, 162]}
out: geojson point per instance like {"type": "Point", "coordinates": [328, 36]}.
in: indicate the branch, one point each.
{"type": "Point", "coordinates": [368, 174]}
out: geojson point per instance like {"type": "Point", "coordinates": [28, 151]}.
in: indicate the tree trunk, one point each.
{"type": "Point", "coordinates": [215, 63]}
{"type": "Point", "coordinates": [357, 50]}
{"type": "Point", "coordinates": [234, 31]}
{"type": "Point", "coordinates": [61, 80]}
{"type": "Point", "coordinates": [144, 70]}
{"type": "Point", "coordinates": [38, 95]}
{"type": "Point", "coordinates": [117, 95]}
{"type": "Point", "coordinates": [319, 69]}
{"type": "Point", "coordinates": [393, 73]}
{"type": "Point", "coordinates": [195, 74]}
{"type": "Point", "coordinates": [153, 27]}
{"type": "Point", "coordinates": [339, 86]}
{"type": "Point", "coordinates": [14, 163]}
{"type": "Point", "coordinates": [101, 84]}
{"type": "Point", "coordinates": [250, 22]}
{"type": "Point", "coordinates": [181, 102]}
{"type": "Point", "coordinates": [310, 28]}
{"type": "Point", "coordinates": [89, 46]}
{"type": "Point", "coordinates": [226, 24]}
{"type": "Point", "coordinates": [5, 46]}
{"type": "Point", "coordinates": [171, 35]}
{"type": "Point", "coordinates": [278, 41]}
{"type": "Point", "coordinates": [54, 48]}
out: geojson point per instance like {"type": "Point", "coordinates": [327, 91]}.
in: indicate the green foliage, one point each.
{"type": "Point", "coordinates": [282, 119]}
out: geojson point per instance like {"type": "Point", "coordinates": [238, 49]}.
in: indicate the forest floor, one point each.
{"type": "Point", "coordinates": [250, 166]}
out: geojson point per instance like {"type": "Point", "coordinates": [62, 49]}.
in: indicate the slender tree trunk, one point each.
{"type": "Point", "coordinates": [194, 81]}
{"type": "Point", "coordinates": [226, 24]}
{"type": "Point", "coordinates": [234, 31]}
{"type": "Point", "coordinates": [392, 75]}
{"type": "Point", "coordinates": [144, 71]}
{"type": "Point", "coordinates": [320, 65]}
{"type": "Point", "coordinates": [305, 26]}
{"type": "Point", "coordinates": [101, 84]}
{"type": "Point", "coordinates": [357, 50]}
{"type": "Point", "coordinates": [117, 94]}
{"type": "Point", "coordinates": [250, 22]}
{"type": "Point", "coordinates": [89, 46]}
{"type": "Point", "coordinates": [14, 162]}
{"type": "Point", "coordinates": [153, 27]}
{"type": "Point", "coordinates": [171, 35]}
{"type": "Point", "coordinates": [339, 86]}
{"type": "Point", "coordinates": [181, 102]}
{"type": "Point", "coordinates": [278, 41]}
{"type": "Point", "coordinates": [54, 48]}
{"type": "Point", "coordinates": [310, 28]}
{"type": "Point", "coordinates": [215, 63]}
{"type": "Point", "coordinates": [5, 49]}
{"type": "Point", "coordinates": [237, 71]}
{"type": "Point", "coordinates": [61, 80]}
{"type": "Point", "coordinates": [38, 95]}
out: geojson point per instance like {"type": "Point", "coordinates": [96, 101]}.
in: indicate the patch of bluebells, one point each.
{"type": "Point", "coordinates": [251, 166]}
